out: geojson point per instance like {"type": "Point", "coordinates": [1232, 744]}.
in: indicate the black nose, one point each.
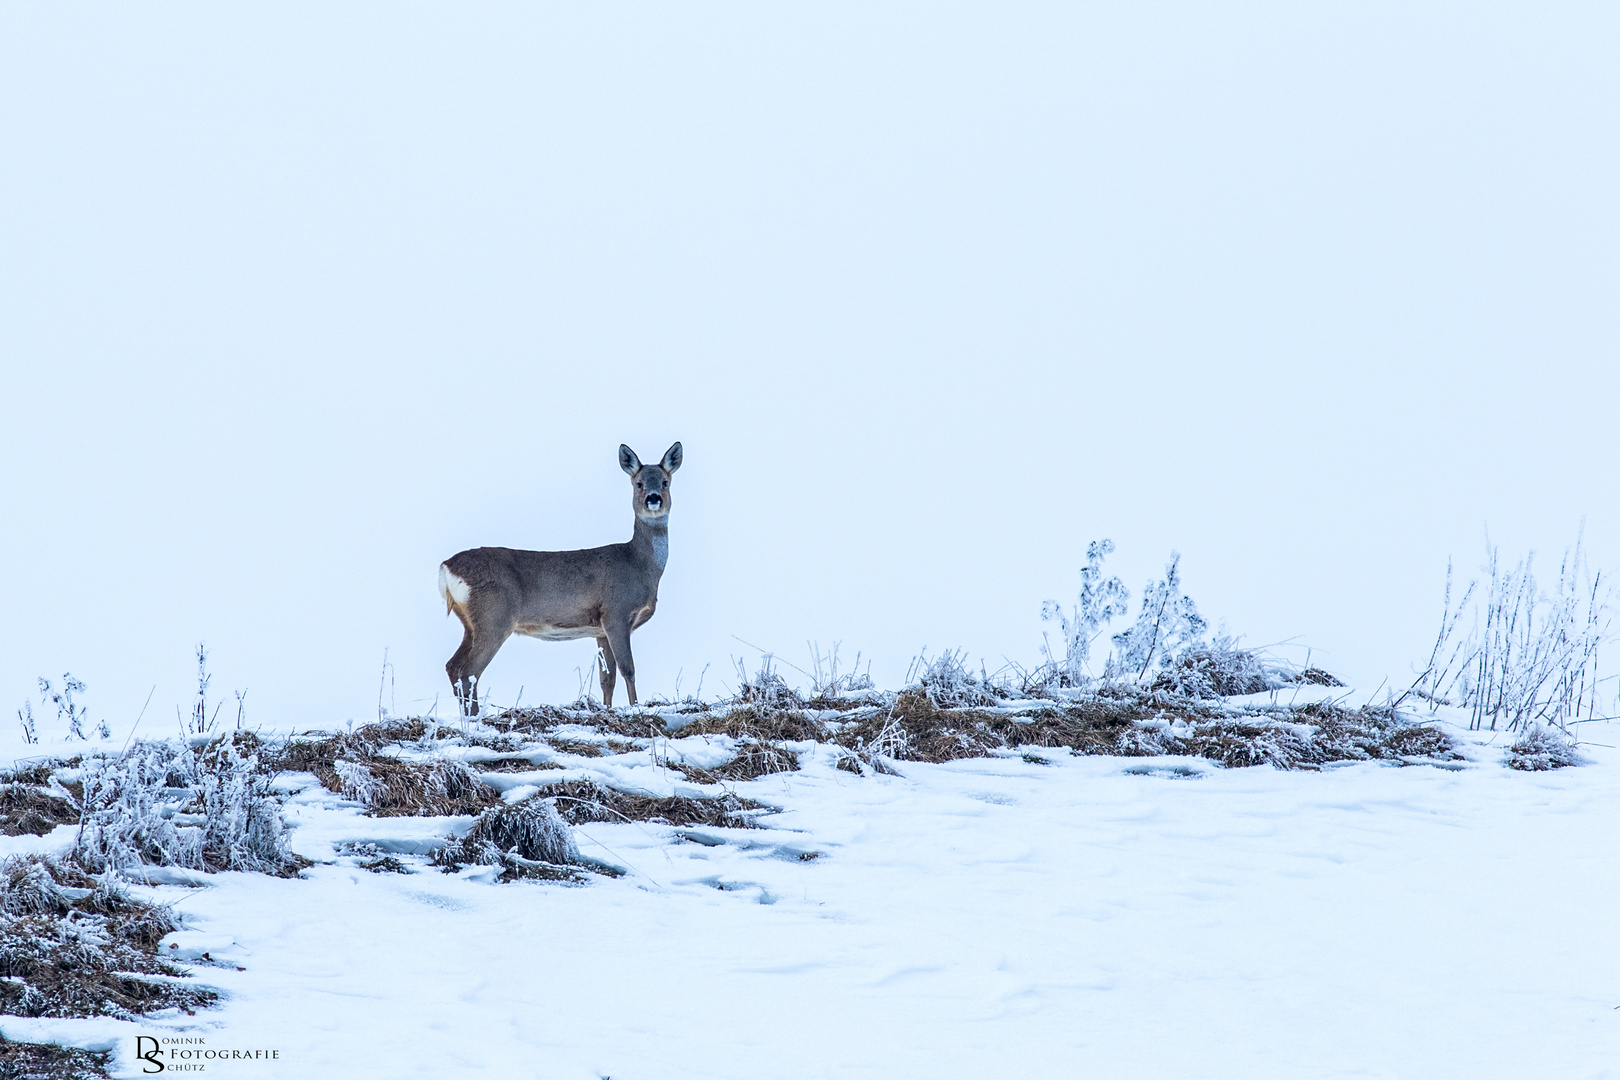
{"type": "Point", "coordinates": [654, 502]}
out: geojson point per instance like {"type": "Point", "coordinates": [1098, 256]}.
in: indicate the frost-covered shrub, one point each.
{"type": "Point", "coordinates": [1100, 600]}
{"type": "Point", "coordinates": [1543, 748]}
{"type": "Point", "coordinates": [1529, 656]}
{"type": "Point", "coordinates": [1167, 627]}
{"type": "Point", "coordinates": [1163, 649]}
{"type": "Point", "coordinates": [69, 710]}
{"type": "Point", "coordinates": [169, 804]}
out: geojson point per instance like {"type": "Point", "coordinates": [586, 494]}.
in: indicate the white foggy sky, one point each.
{"type": "Point", "coordinates": [296, 302]}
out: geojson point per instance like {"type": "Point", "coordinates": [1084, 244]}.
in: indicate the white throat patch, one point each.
{"type": "Point", "coordinates": [660, 549]}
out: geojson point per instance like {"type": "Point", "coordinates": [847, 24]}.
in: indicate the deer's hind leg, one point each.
{"type": "Point", "coordinates": [479, 644]}
{"type": "Point", "coordinates": [608, 675]}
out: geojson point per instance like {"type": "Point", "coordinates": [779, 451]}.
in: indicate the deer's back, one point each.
{"type": "Point", "coordinates": [558, 594]}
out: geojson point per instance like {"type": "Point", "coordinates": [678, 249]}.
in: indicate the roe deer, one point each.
{"type": "Point", "coordinates": [602, 592]}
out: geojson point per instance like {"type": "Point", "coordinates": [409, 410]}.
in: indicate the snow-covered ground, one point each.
{"type": "Point", "coordinates": [1091, 916]}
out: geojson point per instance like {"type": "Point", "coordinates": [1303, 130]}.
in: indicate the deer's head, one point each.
{"type": "Point", "coordinates": [649, 484]}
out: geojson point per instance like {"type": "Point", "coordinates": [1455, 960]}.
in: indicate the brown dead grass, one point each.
{"type": "Point", "coordinates": [395, 788]}
{"type": "Point", "coordinates": [432, 789]}
{"type": "Point", "coordinates": [46, 1061]}
{"type": "Point", "coordinates": [752, 761]}
{"type": "Point", "coordinates": [760, 723]}
{"type": "Point", "coordinates": [1130, 723]}
{"type": "Point", "coordinates": [588, 748]}
{"type": "Point", "coordinates": [581, 801]}
{"type": "Point", "coordinates": [63, 953]}
{"type": "Point", "coordinates": [543, 718]}
{"type": "Point", "coordinates": [512, 765]}
{"type": "Point", "coordinates": [34, 811]}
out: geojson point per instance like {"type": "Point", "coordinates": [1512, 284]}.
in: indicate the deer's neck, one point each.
{"type": "Point", "coordinates": [653, 541]}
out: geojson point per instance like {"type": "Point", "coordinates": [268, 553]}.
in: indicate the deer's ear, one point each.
{"type": "Point", "coordinates": [672, 458]}
{"type": "Point", "coordinates": [628, 460]}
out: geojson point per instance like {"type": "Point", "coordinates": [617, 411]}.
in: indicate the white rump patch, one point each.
{"type": "Point", "coordinates": [451, 587]}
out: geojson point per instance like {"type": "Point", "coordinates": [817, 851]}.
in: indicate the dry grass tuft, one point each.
{"type": "Point", "coordinates": [637, 725]}
{"type": "Point", "coordinates": [761, 723]}
{"type": "Point", "coordinates": [35, 775]}
{"type": "Point", "coordinates": [531, 840]}
{"type": "Point", "coordinates": [351, 765]}
{"type": "Point", "coordinates": [1543, 748]}
{"type": "Point", "coordinates": [31, 810]}
{"type": "Point", "coordinates": [581, 801]}
{"type": "Point", "coordinates": [389, 787]}
{"type": "Point", "coordinates": [47, 1061]}
{"type": "Point", "coordinates": [512, 765]}
{"type": "Point", "coordinates": [74, 945]}
{"type": "Point", "coordinates": [753, 760]}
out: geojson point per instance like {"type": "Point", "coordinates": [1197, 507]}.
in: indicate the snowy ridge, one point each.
{"type": "Point", "coordinates": [1028, 913]}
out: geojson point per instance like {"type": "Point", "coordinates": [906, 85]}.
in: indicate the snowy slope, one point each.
{"type": "Point", "coordinates": [1093, 916]}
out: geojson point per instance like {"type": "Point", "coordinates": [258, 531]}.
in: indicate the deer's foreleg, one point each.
{"type": "Point", "coordinates": [618, 637]}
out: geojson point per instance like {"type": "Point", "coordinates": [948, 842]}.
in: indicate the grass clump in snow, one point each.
{"type": "Point", "coordinates": [389, 787]}
{"type": "Point", "coordinates": [587, 713]}
{"type": "Point", "coordinates": [1542, 748]}
{"type": "Point", "coordinates": [368, 856]}
{"type": "Point", "coordinates": [46, 1061]}
{"type": "Point", "coordinates": [33, 809]}
{"type": "Point", "coordinates": [581, 801]}
{"type": "Point", "coordinates": [352, 766]}
{"type": "Point", "coordinates": [1223, 669]}
{"type": "Point", "coordinates": [757, 721]}
{"type": "Point", "coordinates": [530, 840]}
{"type": "Point", "coordinates": [76, 945]}
{"type": "Point", "coordinates": [752, 760]}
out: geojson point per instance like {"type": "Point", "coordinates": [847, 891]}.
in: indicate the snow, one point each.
{"type": "Point", "coordinates": [1119, 917]}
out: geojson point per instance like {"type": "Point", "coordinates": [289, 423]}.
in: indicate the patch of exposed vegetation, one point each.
{"type": "Point", "coordinates": [34, 810]}
{"type": "Point", "coordinates": [512, 765]}
{"type": "Point", "coordinates": [1543, 748]}
{"type": "Point", "coordinates": [581, 801]}
{"type": "Point", "coordinates": [76, 945]}
{"type": "Point", "coordinates": [951, 713]}
{"type": "Point", "coordinates": [541, 719]}
{"type": "Point", "coordinates": [371, 857]}
{"type": "Point", "coordinates": [1224, 670]}
{"type": "Point", "coordinates": [1131, 722]}
{"type": "Point", "coordinates": [529, 840]}
{"type": "Point", "coordinates": [351, 765]}
{"type": "Point", "coordinates": [752, 760]}
{"type": "Point", "coordinates": [760, 722]}
{"type": "Point", "coordinates": [46, 1061]}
